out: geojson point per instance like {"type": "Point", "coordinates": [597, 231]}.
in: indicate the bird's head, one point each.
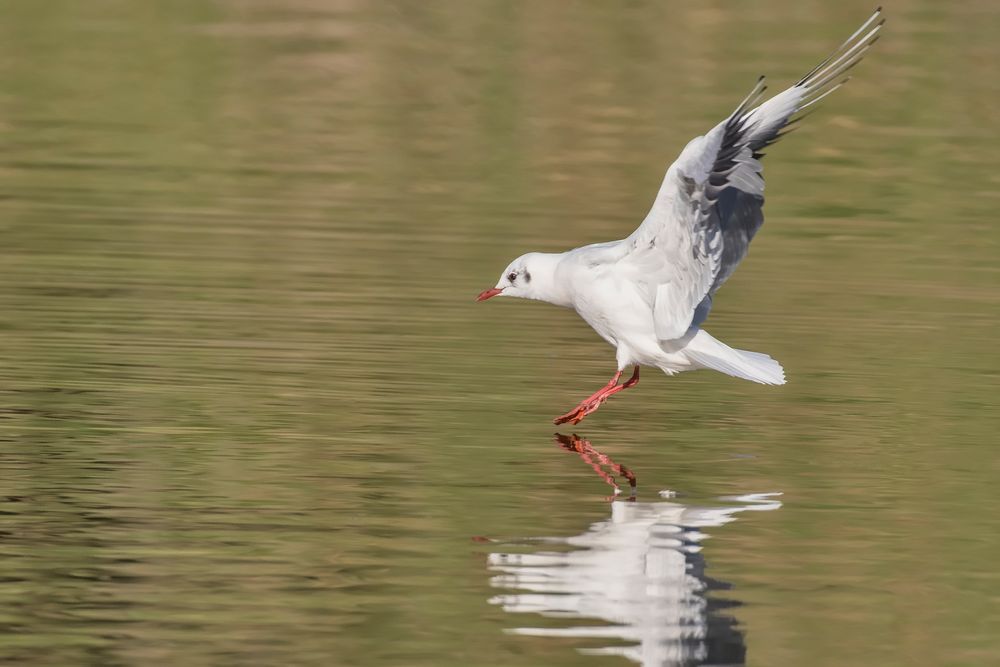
{"type": "Point", "coordinates": [530, 276]}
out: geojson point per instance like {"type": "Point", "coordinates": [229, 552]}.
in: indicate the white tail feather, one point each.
{"type": "Point", "coordinates": [706, 352]}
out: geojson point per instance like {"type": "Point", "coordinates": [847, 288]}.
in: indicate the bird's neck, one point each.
{"type": "Point", "coordinates": [546, 283]}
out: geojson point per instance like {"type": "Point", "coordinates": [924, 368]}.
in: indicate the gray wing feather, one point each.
{"type": "Point", "coordinates": [711, 201]}
{"type": "Point", "coordinates": [739, 214]}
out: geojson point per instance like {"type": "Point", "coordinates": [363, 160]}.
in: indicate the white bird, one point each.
{"type": "Point", "coordinates": [648, 294]}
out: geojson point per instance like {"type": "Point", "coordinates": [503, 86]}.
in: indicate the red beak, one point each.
{"type": "Point", "coordinates": [489, 294]}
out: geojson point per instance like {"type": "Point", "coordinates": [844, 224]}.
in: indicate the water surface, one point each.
{"type": "Point", "coordinates": [250, 414]}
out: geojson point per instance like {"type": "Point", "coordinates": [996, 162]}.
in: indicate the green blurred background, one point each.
{"type": "Point", "coordinates": [250, 414]}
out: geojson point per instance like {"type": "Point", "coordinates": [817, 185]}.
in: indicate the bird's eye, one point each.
{"type": "Point", "coordinates": [511, 276]}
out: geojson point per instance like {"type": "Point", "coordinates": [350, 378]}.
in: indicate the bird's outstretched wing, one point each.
{"type": "Point", "coordinates": [710, 203]}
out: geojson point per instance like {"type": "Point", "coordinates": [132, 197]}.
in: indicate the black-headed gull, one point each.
{"type": "Point", "coordinates": [649, 293]}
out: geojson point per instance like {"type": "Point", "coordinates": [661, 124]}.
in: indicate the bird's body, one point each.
{"type": "Point", "coordinates": [604, 293]}
{"type": "Point", "coordinates": [648, 294]}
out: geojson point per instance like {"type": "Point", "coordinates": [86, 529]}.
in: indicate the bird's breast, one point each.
{"type": "Point", "coordinates": [614, 309]}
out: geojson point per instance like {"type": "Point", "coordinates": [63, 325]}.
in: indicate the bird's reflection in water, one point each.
{"type": "Point", "coordinates": [640, 571]}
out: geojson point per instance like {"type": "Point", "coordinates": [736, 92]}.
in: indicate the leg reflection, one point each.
{"type": "Point", "coordinates": [595, 459]}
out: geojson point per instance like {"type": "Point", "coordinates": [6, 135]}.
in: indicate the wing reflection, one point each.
{"type": "Point", "coordinates": [640, 571]}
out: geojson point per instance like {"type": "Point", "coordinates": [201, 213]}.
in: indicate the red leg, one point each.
{"type": "Point", "coordinates": [590, 399]}
{"type": "Point", "coordinates": [594, 401]}
{"type": "Point", "coordinates": [587, 401]}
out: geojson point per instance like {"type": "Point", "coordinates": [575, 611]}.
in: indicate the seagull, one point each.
{"type": "Point", "coordinates": [648, 294]}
